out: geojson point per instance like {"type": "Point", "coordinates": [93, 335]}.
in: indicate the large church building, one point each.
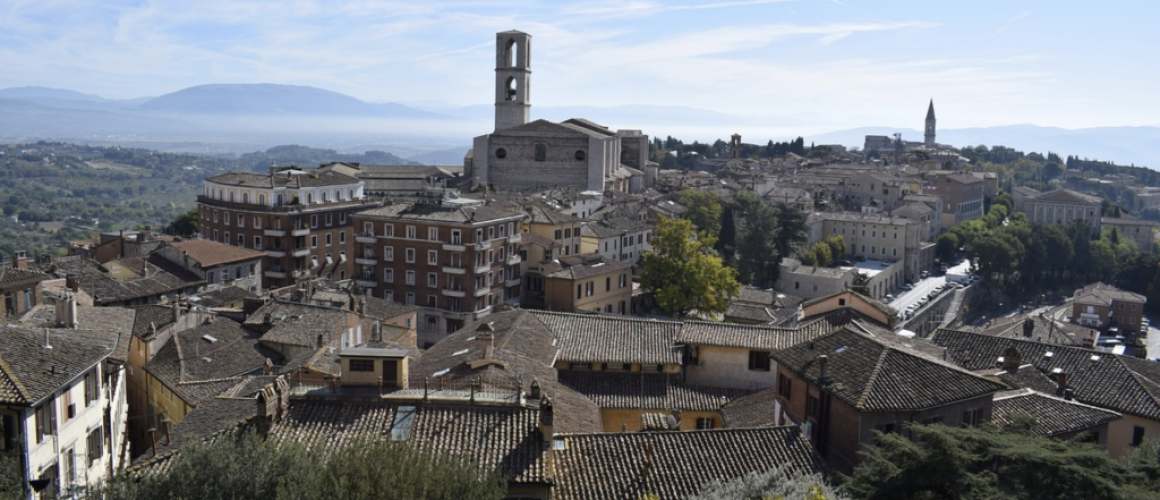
{"type": "Point", "coordinates": [522, 154]}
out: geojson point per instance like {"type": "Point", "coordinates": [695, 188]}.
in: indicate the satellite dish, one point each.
{"type": "Point", "coordinates": [672, 421]}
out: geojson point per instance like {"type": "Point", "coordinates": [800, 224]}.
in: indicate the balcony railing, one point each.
{"type": "Point", "coordinates": [481, 291]}
{"type": "Point", "coordinates": [302, 231]}
{"type": "Point", "coordinates": [514, 259]}
{"type": "Point", "coordinates": [455, 247]}
{"type": "Point", "coordinates": [301, 252]}
{"type": "Point", "coordinates": [275, 274]}
{"type": "Point", "coordinates": [454, 270]}
{"type": "Point", "coordinates": [482, 268]}
{"type": "Point", "coordinates": [365, 283]}
{"type": "Point", "coordinates": [512, 282]}
{"type": "Point", "coordinates": [365, 237]}
{"type": "Point", "coordinates": [454, 292]}
{"type": "Point", "coordinates": [277, 254]}
{"type": "Point", "coordinates": [365, 260]}
{"type": "Point", "coordinates": [515, 238]}
{"type": "Point", "coordinates": [276, 233]}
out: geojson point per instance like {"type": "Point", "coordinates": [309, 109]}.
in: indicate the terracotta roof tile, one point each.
{"type": "Point", "coordinates": [649, 391]}
{"type": "Point", "coordinates": [210, 253]}
{"type": "Point", "coordinates": [1055, 415]}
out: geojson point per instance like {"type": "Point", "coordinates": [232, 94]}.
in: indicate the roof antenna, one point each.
{"type": "Point", "coordinates": [47, 345]}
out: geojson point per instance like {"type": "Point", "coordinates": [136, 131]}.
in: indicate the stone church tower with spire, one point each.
{"type": "Point", "coordinates": [929, 135]}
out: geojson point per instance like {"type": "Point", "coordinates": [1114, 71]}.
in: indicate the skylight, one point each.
{"type": "Point", "coordinates": [840, 349]}
{"type": "Point", "coordinates": [459, 353]}
{"type": "Point", "coordinates": [442, 372]}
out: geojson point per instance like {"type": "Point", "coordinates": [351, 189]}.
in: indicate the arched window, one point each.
{"type": "Point", "coordinates": [279, 200]}
{"type": "Point", "coordinates": [261, 199]}
{"type": "Point", "coordinates": [309, 198]}
{"type": "Point", "coordinates": [512, 89]}
{"type": "Point", "coordinates": [351, 194]}
{"type": "Point", "coordinates": [511, 53]}
{"type": "Point", "coordinates": [325, 196]}
{"type": "Point", "coordinates": [231, 196]}
{"type": "Point", "coordinates": [245, 197]}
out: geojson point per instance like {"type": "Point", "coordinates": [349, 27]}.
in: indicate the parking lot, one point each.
{"type": "Point", "coordinates": [923, 288]}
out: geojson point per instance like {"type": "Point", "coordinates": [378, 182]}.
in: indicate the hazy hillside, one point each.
{"type": "Point", "coordinates": [267, 99]}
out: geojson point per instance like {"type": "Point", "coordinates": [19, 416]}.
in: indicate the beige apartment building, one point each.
{"type": "Point", "coordinates": [962, 195]}
{"type": "Point", "coordinates": [878, 237]}
{"type": "Point", "coordinates": [457, 260]}
{"type": "Point", "coordinates": [589, 283]}
{"type": "Point", "coordinates": [1062, 206]}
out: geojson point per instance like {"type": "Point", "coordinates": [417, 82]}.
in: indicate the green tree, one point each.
{"type": "Point", "coordinates": [684, 275]}
{"type": "Point", "coordinates": [12, 485]}
{"type": "Point", "coordinates": [184, 225]}
{"type": "Point", "coordinates": [252, 467]}
{"type": "Point", "coordinates": [969, 463]}
{"type": "Point", "coordinates": [757, 248]}
{"type": "Point", "coordinates": [837, 246]}
{"type": "Point", "coordinates": [726, 245]}
{"type": "Point", "coordinates": [704, 209]}
{"type": "Point", "coordinates": [946, 246]}
{"type": "Point", "coordinates": [861, 283]}
{"type": "Point", "coordinates": [791, 229]}
{"type": "Point", "coordinates": [779, 483]}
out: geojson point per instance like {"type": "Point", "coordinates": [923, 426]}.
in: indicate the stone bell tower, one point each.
{"type": "Point", "coordinates": [928, 137]}
{"type": "Point", "coordinates": [513, 76]}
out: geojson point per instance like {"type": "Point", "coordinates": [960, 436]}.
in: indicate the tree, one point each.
{"type": "Point", "coordinates": [248, 466]}
{"type": "Point", "coordinates": [184, 225]}
{"type": "Point", "coordinates": [757, 248]}
{"type": "Point", "coordinates": [946, 246]}
{"type": "Point", "coordinates": [861, 283]}
{"type": "Point", "coordinates": [12, 485]}
{"type": "Point", "coordinates": [791, 229]}
{"type": "Point", "coordinates": [968, 463]}
{"type": "Point", "coordinates": [837, 246]}
{"type": "Point", "coordinates": [726, 245]}
{"type": "Point", "coordinates": [684, 275]}
{"type": "Point", "coordinates": [779, 483]}
{"type": "Point", "coordinates": [704, 210]}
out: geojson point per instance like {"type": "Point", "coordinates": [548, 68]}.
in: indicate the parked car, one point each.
{"type": "Point", "coordinates": [907, 286]}
{"type": "Point", "coordinates": [845, 263]}
{"type": "Point", "coordinates": [942, 268]}
{"type": "Point", "coordinates": [924, 275]}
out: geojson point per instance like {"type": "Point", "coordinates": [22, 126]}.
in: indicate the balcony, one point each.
{"type": "Point", "coordinates": [300, 232]}
{"type": "Point", "coordinates": [483, 312]}
{"type": "Point", "coordinates": [275, 274]}
{"type": "Point", "coordinates": [482, 269]}
{"type": "Point", "coordinates": [454, 270]}
{"type": "Point", "coordinates": [460, 315]}
{"type": "Point", "coordinates": [481, 246]}
{"type": "Point", "coordinates": [301, 273]}
{"type": "Point", "coordinates": [514, 259]}
{"type": "Point", "coordinates": [365, 283]}
{"type": "Point", "coordinates": [455, 247]}
{"type": "Point", "coordinates": [365, 260]}
{"type": "Point", "coordinates": [277, 254]}
{"type": "Point", "coordinates": [276, 233]}
{"type": "Point", "coordinates": [515, 238]}
{"type": "Point", "coordinates": [512, 282]}
{"type": "Point", "coordinates": [366, 238]}
{"type": "Point", "coordinates": [454, 292]}
{"type": "Point", "coordinates": [301, 252]}
{"type": "Point", "coordinates": [481, 291]}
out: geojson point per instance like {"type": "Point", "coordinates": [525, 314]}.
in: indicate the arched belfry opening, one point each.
{"type": "Point", "coordinates": [511, 53]}
{"type": "Point", "coordinates": [511, 90]}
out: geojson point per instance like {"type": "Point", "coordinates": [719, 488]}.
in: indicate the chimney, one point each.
{"type": "Point", "coordinates": [485, 336]}
{"type": "Point", "coordinates": [21, 261]}
{"type": "Point", "coordinates": [70, 282]}
{"type": "Point", "coordinates": [267, 319]}
{"type": "Point", "coordinates": [823, 360]}
{"type": "Point", "coordinates": [152, 441]}
{"type": "Point", "coordinates": [1061, 381]}
{"type": "Point", "coordinates": [547, 418]}
{"type": "Point", "coordinates": [1012, 360]}
{"type": "Point", "coordinates": [535, 392]}
{"type": "Point", "coordinates": [1028, 327]}
{"type": "Point", "coordinates": [175, 309]}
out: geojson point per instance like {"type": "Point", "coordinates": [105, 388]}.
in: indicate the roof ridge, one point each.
{"type": "Point", "coordinates": [180, 357]}
{"type": "Point", "coordinates": [1140, 380]}
{"type": "Point", "coordinates": [873, 378]}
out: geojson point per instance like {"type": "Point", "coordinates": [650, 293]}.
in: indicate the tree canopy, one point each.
{"type": "Point", "coordinates": [683, 272]}
{"type": "Point", "coordinates": [704, 210]}
{"type": "Point", "coordinates": [252, 467]}
{"type": "Point", "coordinates": [968, 463]}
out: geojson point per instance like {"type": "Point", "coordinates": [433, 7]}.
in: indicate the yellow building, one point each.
{"type": "Point", "coordinates": [589, 283]}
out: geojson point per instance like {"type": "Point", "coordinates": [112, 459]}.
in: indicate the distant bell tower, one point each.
{"type": "Point", "coordinates": [929, 136]}
{"type": "Point", "coordinates": [513, 75]}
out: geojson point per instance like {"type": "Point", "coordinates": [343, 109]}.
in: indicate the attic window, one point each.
{"type": "Point", "coordinates": [209, 338]}
{"type": "Point", "coordinates": [1095, 357]}
{"type": "Point", "coordinates": [840, 349]}
{"type": "Point", "coordinates": [459, 353]}
{"type": "Point", "coordinates": [441, 373]}
{"type": "Point", "coordinates": [1048, 354]}
{"type": "Point", "coordinates": [1057, 370]}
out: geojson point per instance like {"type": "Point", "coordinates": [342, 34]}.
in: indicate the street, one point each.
{"type": "Point", "coordinates": [924, 287]}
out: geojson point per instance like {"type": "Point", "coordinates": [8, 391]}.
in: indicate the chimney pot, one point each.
{"type": "Point", "coordinates": [823, 360]}
{"type": "Point", "coordinates": [1068, 394]}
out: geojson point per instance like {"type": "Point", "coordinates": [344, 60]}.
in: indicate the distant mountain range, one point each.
{"type": "Point", "coordinates": [247, 117]}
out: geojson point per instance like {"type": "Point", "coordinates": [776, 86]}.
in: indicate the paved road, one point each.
{"type": "Point", "coordinates": [924, 287]}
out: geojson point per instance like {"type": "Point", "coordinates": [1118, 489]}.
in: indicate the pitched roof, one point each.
{"type": "Point", "coordinates": [672, 465]}
{"type": "Point", "coordinates": [757, 337]}
{"type": "Point", "coordinates": [1103, 294]}
{"type": "Point", "coordinates": [752, 410]}
{"type": "Point", "coordinates": [209, 253]}
{"type": "Point", "coordinates": [225, 295]}
{"type": "Point", "coordinates": [290, 178]}
{"type": "Point", "coordinates": [1121, 383]}
{"type": "Point", "coordinates": [201, 362]}
{"type": "Point", "coordinates": [31, 372]}
{"type": "Point", "coordinates": [1065, 196]}
{"type": "Point", "coordinates": [128, 278]}
{"type": "Point", "coordinates": [1055, 415]}
{"type": "Point", "coordinates": [649, 391]}
{"type": "Point", "coordinates": [297, 324]}
{"type": "Point", "coordinates": [504, 437]}
{"type": "Point", "coordinates": [588, 270]}
{"type": "Point", "coordinates": [426, 212]}
{"type": "Point", "coordinates": [10, 274]}
{"type": "Point", "coordinates": [869, 375]}
{"type": "Point", "coordinates": [588, 338]}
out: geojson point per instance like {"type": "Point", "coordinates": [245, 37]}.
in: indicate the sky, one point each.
{"type": "Point", "coordinates": [832, 64]}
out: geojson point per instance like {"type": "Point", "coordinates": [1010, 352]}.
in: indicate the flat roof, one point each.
{"type": "Point", "coordinates": [869, 267]}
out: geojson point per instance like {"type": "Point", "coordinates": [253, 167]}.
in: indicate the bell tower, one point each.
{"type": "Point", "coordinates": [928, 137]}
{"type": "Point", "coordinates": [513, 75]}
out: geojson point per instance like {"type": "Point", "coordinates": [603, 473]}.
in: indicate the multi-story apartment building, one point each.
{"type": "Point", "coordinates": [458, 261]}
{"type": "Point", "coordinates": [62, 404]}
{"type": "Point", "coordinates": [19, 286]}
{"type": "Point", "coordinates": [873, 237]}
{"type": "Point", "coordinates": [618, 239]}
{"type": "Point", "coordinates": [589, 283]}
{"type": "Point", "coordinates": [867, 187]}
{"type": "Point", "coordinates": [299, 217]}
{"type": "Point", "coordinates": [1062, 206]}
{"type": "Point", "coordinates": [962, 195]}
{"type": "Point", "coordinates": [1099, 305]}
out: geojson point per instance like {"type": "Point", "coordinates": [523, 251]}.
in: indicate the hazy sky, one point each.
{"type": "Point", "coordinates": [837, 64]}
